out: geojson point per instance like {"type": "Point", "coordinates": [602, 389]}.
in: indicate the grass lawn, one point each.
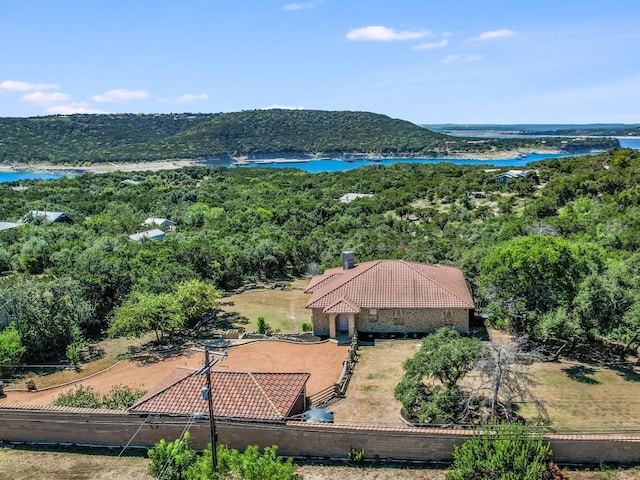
{"type": "Point", "coordinates": [283, 310]}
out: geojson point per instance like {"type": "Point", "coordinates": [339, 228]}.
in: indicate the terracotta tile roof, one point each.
{"type": "Point", "coordinates": [264, 396]}
{"type": "Point", "coordinates": [342, 306]}
{"type": "Point", "coordinates": [391, 284]}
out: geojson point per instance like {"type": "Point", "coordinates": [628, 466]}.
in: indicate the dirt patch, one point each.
{"type": "Point", "coordinates": [323, 361]}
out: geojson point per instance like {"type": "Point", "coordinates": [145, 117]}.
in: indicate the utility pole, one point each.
{"type": "Point", "coordinates": [207, 395]}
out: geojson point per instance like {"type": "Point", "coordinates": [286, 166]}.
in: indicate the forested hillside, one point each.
{"type": "Point", "coordinates": [554, 255]}
{"type": "Point", "coordinates": [82, 139]}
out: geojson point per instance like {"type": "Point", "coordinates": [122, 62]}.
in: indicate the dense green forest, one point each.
{"type": "Point", "coordinates": [84, 139]}
{"type": "Point", "coordinates": [553, 255]}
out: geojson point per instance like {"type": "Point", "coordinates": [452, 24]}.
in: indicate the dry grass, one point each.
{"type": "Point", "coordinates": [18, 464]}
{"type": "Point", "coordinates": [28, 464]}
{"type": "Point", "coordinates": [284, 310]}
{"type": "Point", "coordinates": [370, 393]}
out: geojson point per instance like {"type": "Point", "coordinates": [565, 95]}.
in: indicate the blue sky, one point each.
{"type": "Point", "coordinates": [426, 61]}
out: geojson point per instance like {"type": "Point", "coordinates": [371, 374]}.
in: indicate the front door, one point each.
{"type": "Point", "coordinates": [343, 324]}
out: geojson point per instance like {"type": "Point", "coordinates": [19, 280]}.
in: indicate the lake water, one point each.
{"type": "Point", "coordinates": [16, 176]}
{"type": "Point", "coordinates": [336, 165]}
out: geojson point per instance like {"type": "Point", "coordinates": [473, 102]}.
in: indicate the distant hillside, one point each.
{"type": "Point", "coordinates": [78, 139]}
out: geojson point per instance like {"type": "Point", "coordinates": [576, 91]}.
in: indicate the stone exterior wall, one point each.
{"type": "Point", "coordinates": [398, 320]}
{"type": "Point", "coordinates": [406, 320]}
{"type": "Point", "coordinates": [320, 322]}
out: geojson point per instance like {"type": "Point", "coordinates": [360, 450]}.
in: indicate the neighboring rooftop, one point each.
{"type": "Point", "coordinates": [155, 234]}
{"type": "Point", "coordinates": [350, 197]}
{"type": "Point", "coordinates": [264, 396]}
{"type": "Point", "coordinates": [52, 217]}
{"type": "Point", "coordinates": [161, 222]}
{"type": "Point", "coordinates": [8, 225]}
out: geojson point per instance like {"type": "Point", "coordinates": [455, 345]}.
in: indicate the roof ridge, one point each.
{"type": "Point", "coordinates": [432, 280]}
{"type": "Point", "coordinates": [372, 263]}
{"type": "Point", "coordinates": [255, 380]}
{"type": "Point", "coordinates": [152, 394]}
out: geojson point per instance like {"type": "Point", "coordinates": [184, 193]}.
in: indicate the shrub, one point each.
{"type": "Point", "coordinates": [170, 461]}
{"type": "Point", "coordinates": [503, 452]}
{"type": "Point", "coordinates": [120, 397]}
{"type": "Point", "coordinates": [307, 327]}
{"type": "Point", "coordinates": [263, 326]}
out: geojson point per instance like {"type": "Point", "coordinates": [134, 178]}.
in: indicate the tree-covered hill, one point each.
{"type": "Point", "coordinates": [80, 139]}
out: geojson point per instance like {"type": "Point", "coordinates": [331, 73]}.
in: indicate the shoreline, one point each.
{"type": "Point", "coordinates": [156, 166]}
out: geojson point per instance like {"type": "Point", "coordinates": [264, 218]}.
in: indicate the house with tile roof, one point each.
{"type": "Point", "coordinates": [236, 395]}
{"type": "Point", "coordinates": [160, 222]}
{"type": "Point", "coordinates": [388, 297]}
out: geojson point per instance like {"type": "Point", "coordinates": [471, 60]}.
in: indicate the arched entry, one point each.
{"type": "Point", "coordinates": [343, 324]}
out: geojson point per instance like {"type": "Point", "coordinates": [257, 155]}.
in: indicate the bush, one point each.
{"type": "Point", "coordinates": [307, 327]}
{"type": "Point", "coordinates": [120, 397]}
{"type": "Point", "coordinates": [170, 461]}
{"type": "Point", "coordinates": [263, 326]}
{"type": "Point", "coordinates": [503, 452]}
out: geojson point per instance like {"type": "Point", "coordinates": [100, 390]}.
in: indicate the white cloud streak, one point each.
{"type": "Point", "coordinates": [187, 98]}
{"type": "Point", "coordinates": [378, 33]}
{"type": "Point", "coordinates": [494, 34]}
{"type": "Point", "coordinates": [43, 99]}
{"type": "Point", "coordinates": [13, 86]}
{"type": "Point", "coordinates": [121, 95]}
{"type": "Point", "coordinates": [431, 45]}
{"type": "Point", "coordinates": [300, 6]}
{"type": "Point", "coordinates": [74, 107]}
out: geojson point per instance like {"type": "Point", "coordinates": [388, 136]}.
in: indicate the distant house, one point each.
{"type": "Point", "coordinates": [236, 395]}
{"type": "Point", "coordinates": [350, 197]}
{"type": "Point", "coordinates": [504, 177]}
{"type": "Point", "coordinates": [8, 225]}
{"type": "Point", "coordinates": [155, 234]}
{"type": "Point", "coordinates": [160, 222]}
{"type": "Point", "coordinates": [35, 216]}
{"type": "Point", "coordinates": [388, 296]}
{"type": "Point", "coordinates": [129, 181]}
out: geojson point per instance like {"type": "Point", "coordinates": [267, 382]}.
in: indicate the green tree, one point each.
{"type": "Point", "coordinates": [196, 298]}
{"type": "Point", "coordinates": [11, 348]}
{"type": "Point", "coordinates": [445, 356]}
{"type": "Point", "coordinates": [172, 460]}
{"type": "Point", "coordinates": [142, 313]}
{"type": "Point", "coordinates": [542, 272]}
{"type": "Point", "coordinates": [503, 452]}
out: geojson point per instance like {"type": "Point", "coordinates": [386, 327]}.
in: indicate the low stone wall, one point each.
{"type": "Point", "coordinates": [331, 441]}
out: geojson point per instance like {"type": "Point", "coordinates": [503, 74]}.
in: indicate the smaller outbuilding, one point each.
{"type": "Point", "coordinates": [236, 395]}
{"type": "Point", "coordinates": [155, 234]}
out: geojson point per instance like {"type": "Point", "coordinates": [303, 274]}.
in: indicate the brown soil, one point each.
{"type": "Point", "coordinates": [323, 361]}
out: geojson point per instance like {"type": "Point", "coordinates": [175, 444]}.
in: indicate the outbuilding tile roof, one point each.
{"type": "Point", "coordinates": [264, 396]}
{"type": "Point", "coordinates": [390, 284]}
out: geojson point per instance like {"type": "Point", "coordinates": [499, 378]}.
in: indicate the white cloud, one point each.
{"type": "Point", "coordinates": [41, 98]}
{"type": "Point", "coordinates": [431, 45]}
{"type": "Point", "coordinates": [461, 58]}
{"type": "Point", "coordinates": [300, 6]}
{"type": "Point", "coordinates": [13, 86]}
{"type": "Point", "coordinates": [494, 34]}
{"type": "Point", "coordinates": [74, 107]}
{"type": "Point", "coordinates": [189, 97]}
{"type": "Point", "coordinates": [121, 95]}
{"type": "Point", "coordinates": [282, 107]}
{"type": "Point", "coordinates": [379, 33]}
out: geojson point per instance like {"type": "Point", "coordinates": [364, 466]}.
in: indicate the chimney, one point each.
{"type": "Point", "coordinates": [348, 260]}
